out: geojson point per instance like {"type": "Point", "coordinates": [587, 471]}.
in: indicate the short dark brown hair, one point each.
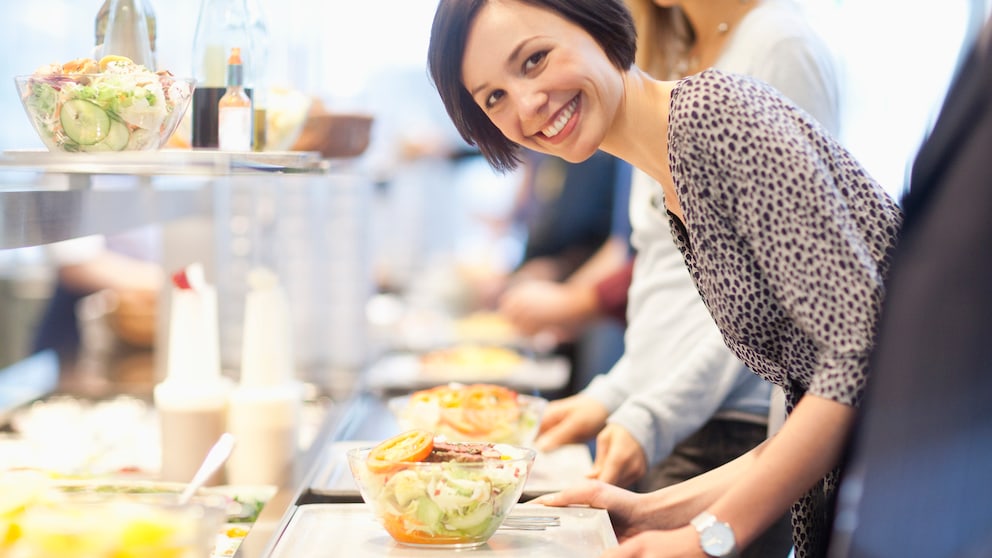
{"type": "Point", "coordinates": [608, 21]}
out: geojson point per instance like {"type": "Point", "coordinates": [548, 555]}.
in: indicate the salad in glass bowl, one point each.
{"type": "Point", "coordinates": [472, 412]}
{"type": "Point", "coordinates": [429, 492]}
{"type": "Point", "coordinates": [108, 105]}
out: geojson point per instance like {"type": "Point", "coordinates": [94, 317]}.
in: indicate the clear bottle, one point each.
{"type": "Point", "coordinates": [258, 28]}
{"type": "Point", "coordinates": [234, 110]}
{"type": "Point", "coordinates": [221, 26]}
{"type": "Point", "coordinates": [126, 28]}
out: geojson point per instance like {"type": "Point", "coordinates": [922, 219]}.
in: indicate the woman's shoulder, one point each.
{"type": "Point", "coordinates": [715, 104]}
{"type": "Point", "coordinates": [712, 87]}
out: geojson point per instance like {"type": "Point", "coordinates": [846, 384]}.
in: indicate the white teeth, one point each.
{"type": "Point", "coordinates": [559, 123]}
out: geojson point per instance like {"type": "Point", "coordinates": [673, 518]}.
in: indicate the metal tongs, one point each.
{"type": "Point", "coordinates": [530, 522]}
{"type": "Point", "coordinates": [216, 457]}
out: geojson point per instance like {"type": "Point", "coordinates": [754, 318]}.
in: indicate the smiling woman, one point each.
{"type": "Point", "coordinates": [610, 32]}
{"type": "Point", "coordinates": [760, 199]}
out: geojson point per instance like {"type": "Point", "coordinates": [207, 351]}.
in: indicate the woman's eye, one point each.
{"type": "Point", "coordinates": [493, 98]}
{"type": "Point", "coordinates": [534, 60]}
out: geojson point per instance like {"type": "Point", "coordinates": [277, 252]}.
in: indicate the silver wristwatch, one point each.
{"type": "Point", "coordinates": [716, 538]}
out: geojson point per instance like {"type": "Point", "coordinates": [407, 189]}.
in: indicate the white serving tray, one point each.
{"type": "Point", "coordinates": [319, 530]}
{"type": "Point", "coordinates": [553, 471]}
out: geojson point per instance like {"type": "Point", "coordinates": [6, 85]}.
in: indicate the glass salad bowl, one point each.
{"type": "Point", "coordinates": [472, 413]}
{"type": "Point", "coordinates": [428, 492]}
{"type": "Point", "coordinates": [110, 105]}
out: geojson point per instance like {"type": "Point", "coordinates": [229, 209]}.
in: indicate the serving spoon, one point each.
{"type": "Point", "coordinates": [216, 457]}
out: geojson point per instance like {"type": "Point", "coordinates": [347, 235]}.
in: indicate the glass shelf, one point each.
{"type": "Point", "coordinates": [47, 197]}
{"type": "Point", "coordinates": [164, 162]}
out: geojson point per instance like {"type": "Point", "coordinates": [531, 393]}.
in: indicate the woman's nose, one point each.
{"type": "Point", "coordinates": [532, 102]}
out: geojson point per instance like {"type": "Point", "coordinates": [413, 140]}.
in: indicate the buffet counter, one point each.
{"type": "Point", "coordinates": [320, 498]}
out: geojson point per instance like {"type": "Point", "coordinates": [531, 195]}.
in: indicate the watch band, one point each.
{"type": "Point", "coordinates": [716, 537]}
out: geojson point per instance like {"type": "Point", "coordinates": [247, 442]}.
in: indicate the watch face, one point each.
{"type": "Point", "coordinates": [717, 539]}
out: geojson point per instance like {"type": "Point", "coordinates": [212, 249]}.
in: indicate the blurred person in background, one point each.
{"type": "Point", "coordinates": [568, 211]}
{"type": "Point", "coordinates": [119, 265]}
{"type": "Point", "coordinates": [679, 402]}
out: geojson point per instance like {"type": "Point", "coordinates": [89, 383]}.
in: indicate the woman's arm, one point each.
{"type": "Point", "coordinates": [778, 472]}
{"type": "Point", "coordinates": [749, 493]}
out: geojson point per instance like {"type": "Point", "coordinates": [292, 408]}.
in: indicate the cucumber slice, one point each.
{"type": "Point", "coordinates": [116, 139]}
{"type": "Point", "coordinates": [84, 122]}
{"type": "Point", "coordinates": [118, 136]}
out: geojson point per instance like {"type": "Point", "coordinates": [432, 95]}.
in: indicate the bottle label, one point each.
{"type": "Point", "coordinates": [234, 129]}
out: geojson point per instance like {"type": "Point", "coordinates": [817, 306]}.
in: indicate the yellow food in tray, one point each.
{"type": "Point", "coordinates": [468, 362]}
{"type": "Point", "coordinates": [38, 519]}
{"type": "Point", "coordinates": [43, 515]}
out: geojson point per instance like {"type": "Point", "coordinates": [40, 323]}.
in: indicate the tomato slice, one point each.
{"type": "Point", "coordinates": [410, 446]}
{"type": "Point", "coordinates": [455, 418]}
{"type": "Point", "coordinates": [406, 532]}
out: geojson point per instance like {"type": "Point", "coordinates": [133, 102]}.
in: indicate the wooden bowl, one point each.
{"type": "Point", "coordinates": [335, 135]}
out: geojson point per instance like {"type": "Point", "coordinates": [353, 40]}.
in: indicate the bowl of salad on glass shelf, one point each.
{"type": "Point", "coordinates": [113, 104]}
{"type": "Point", "coordinates": [429, 492]}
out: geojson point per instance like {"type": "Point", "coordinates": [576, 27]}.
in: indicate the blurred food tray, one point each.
{"type": "Point", "coordinates": [316, 529]}
{"type": "Point", "coordinates": [404, 372]}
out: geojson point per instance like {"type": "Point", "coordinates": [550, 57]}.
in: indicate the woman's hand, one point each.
{"type": "Point", "coordinates": [620, 459]}
{"type": "Point", "coordinates": [635, 518]}
{"type": "Point", "coordinates": [573, 419]}
{"type": "Point", "coordinates": [678, 543]}
{"type": "Point", "coordinates": [534, 305]}
{"type": "Point", "coordinates": [622, 504]}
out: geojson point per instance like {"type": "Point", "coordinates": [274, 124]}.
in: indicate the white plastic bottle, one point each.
{"type": "Point", "coordinates": [265, 408]}
{"type": "Point", "coordinates": [191, 402]}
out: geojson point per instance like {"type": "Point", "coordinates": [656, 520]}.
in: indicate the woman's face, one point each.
{"type": "Point", "coordinates": [542, 80]}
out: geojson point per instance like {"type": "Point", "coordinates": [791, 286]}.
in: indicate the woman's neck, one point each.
{"type": "Point", "coordinates": [639, 134]}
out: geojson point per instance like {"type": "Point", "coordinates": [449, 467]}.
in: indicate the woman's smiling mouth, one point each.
{"type": "Point", "coordinates": [562, 119]}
